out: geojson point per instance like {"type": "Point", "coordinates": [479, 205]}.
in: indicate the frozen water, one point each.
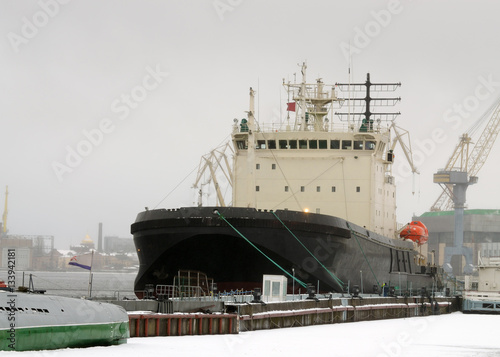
{"type": "Point", "coordinates": [454, 335]}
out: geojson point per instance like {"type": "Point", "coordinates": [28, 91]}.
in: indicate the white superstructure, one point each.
{"type": "Point", "coordinates": [482, 293]}
{"type": "Point", "coordinates": [339, 169]}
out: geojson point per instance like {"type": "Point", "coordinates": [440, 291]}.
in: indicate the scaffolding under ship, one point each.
{"type": "Point", "coordinates": [314, 200]}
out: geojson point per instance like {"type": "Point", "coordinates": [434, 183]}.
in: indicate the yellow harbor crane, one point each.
{"type": "Point", "coordinates": [459, 173]}
{"type": "Point", "coordinates": [466, 160]}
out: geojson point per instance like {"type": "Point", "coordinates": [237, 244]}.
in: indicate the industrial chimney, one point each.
{"type": "Point", "coordinates": [99, 238]}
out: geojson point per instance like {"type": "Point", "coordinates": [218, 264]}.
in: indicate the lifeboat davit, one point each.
{"type": "Point", "coordinates": [415, 231]}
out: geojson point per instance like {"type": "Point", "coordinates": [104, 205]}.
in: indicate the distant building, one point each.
{"type": "Point", "coordinates": [27, 250]}
{"type": "Point", "coordinates": [22, 247]}
{"type": "Point", "coordinates": [113, 244]}
{"type": "Point", "coordinates": [48, 261]}
{"type": "Point", "coordinates": [481, 233]}
{"type": "Point", "coordinates": [85, 246]}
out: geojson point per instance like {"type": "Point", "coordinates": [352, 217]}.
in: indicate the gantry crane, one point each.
{"type": "Point", "coordinates": [400, 133]}
{"type": "Point", "coordinates": [459, 173]}
{"type": "Point", "coordinates": [465, 160]}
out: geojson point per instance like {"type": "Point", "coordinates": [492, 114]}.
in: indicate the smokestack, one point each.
{"type": "Point", "coordinates": [99, 238]}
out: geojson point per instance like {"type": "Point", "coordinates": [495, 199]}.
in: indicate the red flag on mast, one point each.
{"type": "Point", "coordinates": [291, 107]}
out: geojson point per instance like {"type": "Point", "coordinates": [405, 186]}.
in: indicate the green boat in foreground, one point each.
{"type": "Point", "coordinates": [42, 322]}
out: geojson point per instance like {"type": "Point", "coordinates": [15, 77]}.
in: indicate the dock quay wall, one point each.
{"type": "Point", "coordinates": [181, 324]}
{"type": "Point", "coordinates": [310, 312]}
{"type": "Point", "coordinates": [259, 316]}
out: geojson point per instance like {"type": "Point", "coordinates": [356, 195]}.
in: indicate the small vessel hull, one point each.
{"type": "Point", "coordinates": [41, 322]}
{"type": "Point", "coordinates": [314, 248]}
{"type": "Point", "coordinates": [484, 305]}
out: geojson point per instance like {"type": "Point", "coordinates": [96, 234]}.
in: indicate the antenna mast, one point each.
{"type": "Point", "coordinates": [368, 87]}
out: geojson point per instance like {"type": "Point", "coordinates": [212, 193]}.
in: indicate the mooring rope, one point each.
{"type": "Point", "coordinates": [260, 251]}
{"type": "Point", "coordinates": [335, 278]}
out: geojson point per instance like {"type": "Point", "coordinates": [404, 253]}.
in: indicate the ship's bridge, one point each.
{"type": "Point", "coordinates": [273, 137]}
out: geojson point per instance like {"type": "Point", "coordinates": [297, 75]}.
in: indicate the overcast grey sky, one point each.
{"type": "Point", "coordinates": [153, 85]}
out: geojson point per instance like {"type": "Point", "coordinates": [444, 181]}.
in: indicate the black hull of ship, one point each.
{"type": "Point", "coordinates": [197, 239]}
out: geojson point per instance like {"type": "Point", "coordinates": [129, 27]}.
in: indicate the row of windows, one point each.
{"type": "Point", "coordinates": [303, 189]}
{"type": "Point", "coordinates": [21, 309]}
{"type": "Point", "coordinates": [311, 144]}
{"type": "Point", "coordinates": [315, 144]}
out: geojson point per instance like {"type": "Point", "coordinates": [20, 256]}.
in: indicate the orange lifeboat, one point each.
{"type": "Point", "coordinates": [415, 231]}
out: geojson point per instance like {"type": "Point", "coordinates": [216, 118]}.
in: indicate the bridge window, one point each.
{"type": "Point", "coordinates": [302, 188]}
{"type": "Point", "coordinates": [271, 144]}
{"type": "Point", "coordinates": [261, 144]}
{"type": "Point", "coordinates": [241, 144]}
{"type": "Point", "coordinates": [257, 188]}
{"type": "Point", "coordinates": [292, 144]}
{"type": "Point", "coordinates": [283, 144]}
{"type": "Point", "coordinates": [302, 144]}
{"type": "Point", "coordinates": [318, 188]}
{"type": "Point", "coordinates": [358, 189]}
{"type": "Point", "coordinates": [313, 144]}
{"type": "Point", "coordinates": [273, 166]}
{"type": "Point", "coordinates": [335, 144]}
{"type": "Point", "coordinates": [369, 145]}
{"type": "Point", "coordinates": [322, 144]}
{"type": "Point", "coordinates": [358, 145]}
{"type": "Point", "coordinates": [346, 144]}
{"type": "Point", "coordinates": [333, 189]}
{"type": "Point", "coordinates": [286, 188]}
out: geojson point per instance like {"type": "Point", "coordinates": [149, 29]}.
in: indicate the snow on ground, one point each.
{"type": "Point", "coordinates": [446, 335]}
